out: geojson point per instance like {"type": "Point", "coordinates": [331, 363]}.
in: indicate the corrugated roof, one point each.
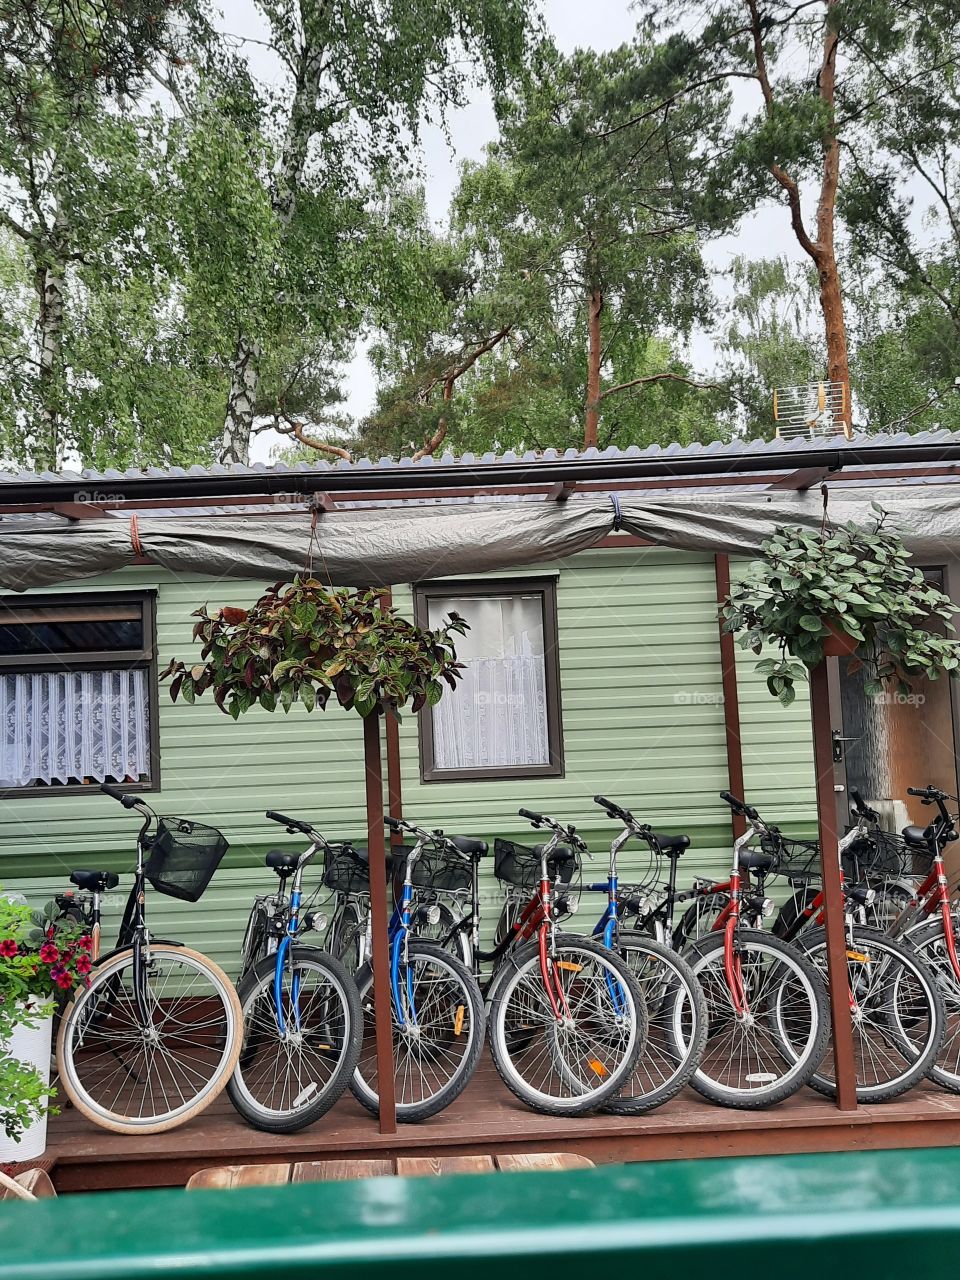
{"type": "Point", "coordinates": [730, 449]}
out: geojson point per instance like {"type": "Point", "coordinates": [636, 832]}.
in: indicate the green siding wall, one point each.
{"type": "Point", "coordinates": [642, 719]}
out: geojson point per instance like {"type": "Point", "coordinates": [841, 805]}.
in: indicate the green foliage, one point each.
{"type": "Point", "coordinates": [306, 642]}
{"type": "Point", "coordinates": [39, 960]}
{"type": "Point", "coordinates": [851, 581]}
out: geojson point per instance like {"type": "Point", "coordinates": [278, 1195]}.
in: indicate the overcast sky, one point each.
{"type": "Point", "coordinates": [596, 24]}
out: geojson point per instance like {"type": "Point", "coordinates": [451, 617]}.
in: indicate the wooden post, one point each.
{"type": "Point", "coordinates": [832, 891]}
{"type": "Point", "coordinates": [379, 922]}
{"type": "Point", "coordinates": [392, 731]}
{"type": "Point", "coordinates": [731, 697]}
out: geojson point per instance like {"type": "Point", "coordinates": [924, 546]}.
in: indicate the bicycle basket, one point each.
{"type": "Point", "coordinates": [795, 859]}
{"type": "Point", "coordinates": [346, 868]}
{"type": "Point", "coordinates": [884, 855]}
{"type": "Point", "coordinates": [441, 870]}
{"type": "Point", "coordinates": [519, 865]}
{"type": "Point", "coordinates": [183, 857]}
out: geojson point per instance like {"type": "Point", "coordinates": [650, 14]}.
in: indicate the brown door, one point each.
{"type": "Point", "coordinates": [889, 742]}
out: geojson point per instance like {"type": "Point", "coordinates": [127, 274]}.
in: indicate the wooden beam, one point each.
{"type": "Point", "coordinates": [804, 478]}
{"type": "Point", "coordinates": [561, 492]}
{"type": "Point", "coordinates": [731, 697]}
{"type": "Point", "coordinates": [79, 510]}
{"type": "Point", "coordinates": [379, 924]}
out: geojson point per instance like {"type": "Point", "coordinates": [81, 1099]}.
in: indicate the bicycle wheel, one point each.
{"type": "Point", "coordinates": [676, 1025]}
{"type": "Point", "coordinates": [791, 916]}
{"type": "Point", "coordinates": [136, 1074]}
{"type": "Point", "coordinates": [348, 942]}
{"type": "Point", "coordinates": [765, 1053]}
{"type": "Point", "coordinates": [286, 1080]}
{"type": "Point", "coordinates": [698, 919]}
{"type": "Point", "coordinates": [573, 1064]}
{"type": "Point", "coordinates": [437, 1040]}
{"type": "Point", "coordinates": [898, 1015]}
{"type": "Point", "coordinates": [930, 944]}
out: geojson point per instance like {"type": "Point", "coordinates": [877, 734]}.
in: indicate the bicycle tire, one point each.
{"type": "Point", "coordinates": [458, 1002]}
{"type": "Point", "coordinates": [110, 971]}
{"type": "Point", "coordinates": [628, 1028]}
{"type": "Point", "coordinates": [791, 978]}
{"type": "Point", "coordinates": [676, 1025]}
{"type": "Point", "coordinates": [348, 941]}
{"type": "Point", "coordinates": [698, 919]}
{"type": "Point", "coordinates": [338, 1019]}
{"type": "Point", "coordinates": [890, 1033]}
{"type": "Point", "coordinates": [930, 943]}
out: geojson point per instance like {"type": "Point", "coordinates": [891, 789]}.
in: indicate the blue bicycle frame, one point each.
{"type": "Point", "coordinates": [285, 943]}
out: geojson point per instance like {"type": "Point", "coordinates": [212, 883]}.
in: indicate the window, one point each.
{"type": "Point", "coordinates": [503, 718]}
{"type": "Point", "coordinates": [77, 693]}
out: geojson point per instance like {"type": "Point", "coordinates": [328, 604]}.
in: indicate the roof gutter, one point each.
{"type": "Point", "coordinates": [107, 489]}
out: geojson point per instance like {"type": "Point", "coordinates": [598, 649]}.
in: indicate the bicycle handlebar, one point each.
{"type": "Point", "coordinates": [535, 818]}
{"type": "Point", "coordinates": [128, 801]}
{"type": "Point", "coordinates": [614, 810]}
{"type": "Point", "coordinates": [862, 808]}
{"type": "Point", "coordinates": [292, 824]}
{"type": "Point", "coordinates": [565, 832]}
{"type": "Point", "coordinates": [738, 806]}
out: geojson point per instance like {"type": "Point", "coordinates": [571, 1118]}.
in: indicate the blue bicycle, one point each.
{"type": "Point", "coordinates": [302, 1022]}
{"type": "Point", "coordinates": [436, 1005]}
{"type": "Point", "coordinates": [676, 1009]}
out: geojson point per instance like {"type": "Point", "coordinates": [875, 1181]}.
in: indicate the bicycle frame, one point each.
{"type": "Point", "coordinates": [282, 954]}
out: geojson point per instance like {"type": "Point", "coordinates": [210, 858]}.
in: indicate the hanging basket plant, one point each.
{"type": "Point", "coordinates": [305, 642]}
{"type": "Point", "coordinates": [846, 591]}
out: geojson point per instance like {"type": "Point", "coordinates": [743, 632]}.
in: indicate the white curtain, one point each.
{"type": "Point", "coordinates": [60, 726]}
{"type": "Point", "coordinates": [497, 715]}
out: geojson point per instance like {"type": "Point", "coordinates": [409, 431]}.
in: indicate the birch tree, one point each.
{"type": "Point", "coordinates": [359, 76]}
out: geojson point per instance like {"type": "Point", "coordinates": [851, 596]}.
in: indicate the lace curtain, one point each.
{"type": "Point", "coordinates": [63, 726]}
{"type": "Point", "coordinates": [497, 715]}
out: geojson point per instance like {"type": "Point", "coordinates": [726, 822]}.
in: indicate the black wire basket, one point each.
{"type": "Point", "coordinates": [797, 860]}
{"type": "Point", "coordinates": [439, 869]}
{"type": "Point", "coordinates": [183, 857]}
{"type": "Point", "coordinates": [885, 855]}
{"type": "Point", "coordinates": [519, 865]}
{"type": "Point", "coordinates": [346, 869]}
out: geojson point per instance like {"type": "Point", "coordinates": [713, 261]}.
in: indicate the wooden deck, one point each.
{"type": "Point", "coordinates": [487, 1118]}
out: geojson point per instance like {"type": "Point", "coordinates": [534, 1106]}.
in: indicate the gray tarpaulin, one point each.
{"type": "Point", "coordinates": [378, 547]}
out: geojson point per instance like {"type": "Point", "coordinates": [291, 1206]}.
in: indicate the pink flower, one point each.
{"type": "Point", "coordinates": [8, 948]}
{"type": "Point", "coordinates": [84, 964]}
{"type": "Point", "coordinates": [49, 954]}
{"type": "Point", "coordinates": [64, 981]}
{"type": "Point", "coordinates": [85, 943]}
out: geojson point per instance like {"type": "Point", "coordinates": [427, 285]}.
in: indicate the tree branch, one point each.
{"type": "Point", "coordinates": [663, 377]}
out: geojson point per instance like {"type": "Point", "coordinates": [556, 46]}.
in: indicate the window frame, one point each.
{"type": "Point", "coordinates": [144, 658]}
{"type": "Point", "coordinates": [546, 587]}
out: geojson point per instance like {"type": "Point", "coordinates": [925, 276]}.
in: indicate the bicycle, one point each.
{"type": "Point", "coordinates": [925, 918]}
{"type": "Point", "coordinates": [566, 1019]}
{"type": "Point", "coordinates": [436, 1006]}
{"type": "Point", "coordinates": [896, 1012]}
{"type": "Point", "coordinates": [301, 1009]}
{"type": "Point", "coordinates": [767, 1007]}
{"type": "Point", "coordinates": [153, 1037]}
{"type": "Point", "coordinates": [675, 1005]}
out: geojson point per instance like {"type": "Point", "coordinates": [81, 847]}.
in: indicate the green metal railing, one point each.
{"type": "Point", "coordinates": [880, 1214]}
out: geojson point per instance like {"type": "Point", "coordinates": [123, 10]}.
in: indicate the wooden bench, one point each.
{"type": "Point", "coordinates": [264, 1175]}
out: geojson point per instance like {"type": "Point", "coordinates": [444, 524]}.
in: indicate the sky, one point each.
{"type": "Point", "coordinates": [596, 24]}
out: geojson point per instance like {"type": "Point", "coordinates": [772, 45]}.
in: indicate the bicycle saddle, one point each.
{"type": "Point", "coordinates": [470, 847]}
{"type": "Point", "coordinates": [918, 836]}
{"type": "Point", "coordinates": [284, 864]}
{"type": "Point", "coordinates": [756, 862]}
{"type": "Point", "coordinates": [94, 881]}
{"type": "Point", "coordinates": [671, 844]}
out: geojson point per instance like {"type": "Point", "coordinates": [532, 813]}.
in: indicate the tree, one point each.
{"type": "Point", "coordinates": [824, 70]}
{"type": "Point", "coordinates": [81, 207]}
{"type": "Point", "coordinates": [568, 278]}
{"type": "Point", "coordinates": [350, 109]}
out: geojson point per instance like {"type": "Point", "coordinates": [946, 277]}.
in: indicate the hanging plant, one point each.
{"type": "Point", "coordinates": [307, 642]}
{"type": "Point", "coordinates": [849, 590]}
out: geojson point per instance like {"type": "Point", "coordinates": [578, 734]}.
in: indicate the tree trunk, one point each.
{"type": "Point", "coordinates": [591, 421]}
{"type": "Point", "coordinates": [51, 290]}
{"type": "Point", "coordinates": [831, 302]}
{"type": "Point", "coordinates": [241, 403]}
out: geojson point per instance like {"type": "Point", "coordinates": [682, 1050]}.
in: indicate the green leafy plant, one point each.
{"type": "Point", "coordinates": [306, 642]}
{"type": "Point", "coordinates": [40, 960]}
{"type": "Point", "coordinates": [812, 587]}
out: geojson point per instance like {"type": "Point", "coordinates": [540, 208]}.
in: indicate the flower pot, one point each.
{"type": "Point", "coordinates": [31, 1045]}
{"type": "Point", "coordinates": [838, 644]}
